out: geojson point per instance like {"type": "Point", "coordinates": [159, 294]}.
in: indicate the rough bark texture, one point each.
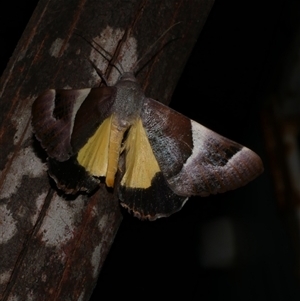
{"type": "Point", "coordinates": [53, 248]}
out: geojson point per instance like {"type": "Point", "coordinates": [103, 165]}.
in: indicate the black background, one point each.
{"type": "Point", "coordinates": [236, 60]}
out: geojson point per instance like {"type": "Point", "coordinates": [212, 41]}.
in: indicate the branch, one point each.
{"type": "Point", "coordinates": [53, 248]}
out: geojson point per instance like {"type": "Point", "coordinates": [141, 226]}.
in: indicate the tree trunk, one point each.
{"type": "Point", "coordinates": [53, 248]}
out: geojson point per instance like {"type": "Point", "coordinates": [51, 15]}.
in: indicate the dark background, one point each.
{"type": "Point", "coordinates": [235, 63]}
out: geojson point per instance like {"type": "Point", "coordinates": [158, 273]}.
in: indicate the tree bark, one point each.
{"type": "Point", "coordinates": [53, 248]}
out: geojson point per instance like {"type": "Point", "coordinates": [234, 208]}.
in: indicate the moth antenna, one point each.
{"type": "Point", "coordinates": [107, 53]}
{"type": "Point", "coordinates": [155, 55]}
{"type": "Point", "coordinates": [152, 46]}
{"type": "Point", "coordinates": [119, 47]}
{"type": "Point", "coordinates": [107, 56]}
{"type": "Point", "coordinates": [99, 72]}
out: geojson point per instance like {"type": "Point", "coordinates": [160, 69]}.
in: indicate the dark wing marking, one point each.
{"type": "Point", "coordinates": [58, 115]}
{"type": "Point", "coordinates": [63, 121]}
{"type": "Point", "coordinates": [151, 203]}
{"type": "Point", "coordinates": [71, 177]}
{"type": "Point", "coordinates": [194, 159]}
{"type": "Point", "coordinates": [53, 114]}
{"type": "Point", "coordinates": [93, 111]}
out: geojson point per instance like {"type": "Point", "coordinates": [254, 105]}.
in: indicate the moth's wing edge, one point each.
{"type": "Point", "coordinates": [209, 163]}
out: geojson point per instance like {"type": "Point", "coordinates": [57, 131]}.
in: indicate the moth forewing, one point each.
{"type": "Point", "coordinates": [194, 159]}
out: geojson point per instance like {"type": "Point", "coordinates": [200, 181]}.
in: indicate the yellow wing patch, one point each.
{"type": "Point", "coordinates": [141, 164]}
{"type": "Point", "coordinates": [94, 154]}
{"type": "Point", "coordinates": [100, 155]}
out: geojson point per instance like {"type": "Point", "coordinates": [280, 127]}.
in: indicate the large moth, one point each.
{"type": "Point", "coordinates": [167, 156]}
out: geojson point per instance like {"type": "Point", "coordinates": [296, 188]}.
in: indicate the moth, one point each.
{"type": "Point", "coordinates": [162, 156]}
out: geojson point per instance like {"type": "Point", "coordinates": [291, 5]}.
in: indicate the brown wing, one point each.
{"type": "Point", "coordinates": [60, 115]}
{"type": "Point", "coordinates": [63, 121]}
{"type": "Point", "coordinates": [194, 159]}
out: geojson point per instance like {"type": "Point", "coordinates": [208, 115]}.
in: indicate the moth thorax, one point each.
{"type": "Point", "coordinates": [128, 102]}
